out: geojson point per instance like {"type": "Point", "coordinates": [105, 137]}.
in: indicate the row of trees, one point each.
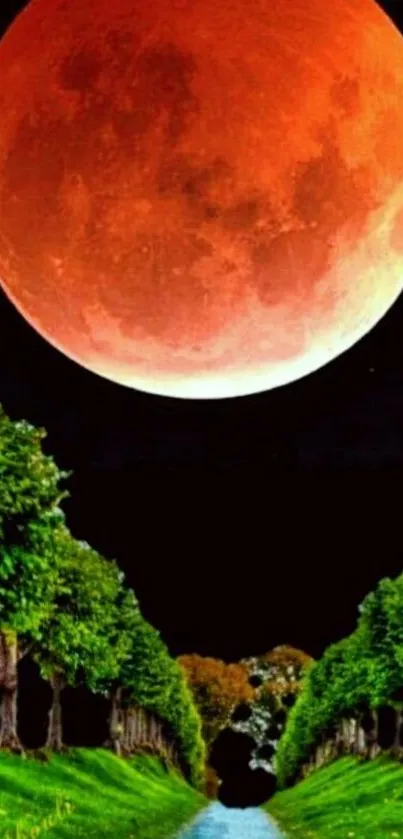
{"type": "Point", "coordinates": [352, 698]}
{"type": "Point", "coordinates": [69, 608]}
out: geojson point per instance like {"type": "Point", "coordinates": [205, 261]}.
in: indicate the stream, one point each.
{"type": "Point", "coordinates": [218, 822]}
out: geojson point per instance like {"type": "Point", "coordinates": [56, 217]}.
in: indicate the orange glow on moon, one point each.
{"type": "Point", "coordinates": [201, 199]}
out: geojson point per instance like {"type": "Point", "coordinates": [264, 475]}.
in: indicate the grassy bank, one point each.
{"type": "Point", "coordinates": [345, 799]}
{"type": "Point", "coordinates": [91, 793]}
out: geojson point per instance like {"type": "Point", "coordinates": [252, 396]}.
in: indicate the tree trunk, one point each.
{"type": "Point", "coordinates": [342, 737]}
{"type": "Point", "coordinates": [158, 735]}
{"type": "Point", "coordinates": [121, 732]}
{"type": "Point", "coordinates": [361, 741]}
{"type": "Point", "coordinates": [135, 726]}
{"type": "Point", "coordinates": [128, 743]}
{"type": "Point", "coordinates": [154, 732]}
{"type": "Point", "coordinates": [115, 722]}
{"type": "Point", "coordinates": [358, 738]}
{"type": "Point", "coordinates": [9, 684]}
{"type": "Point", "coordinates": [371, 737]}
{"type": "Point", "coordinates": [351, 735]}
{"type": "Point", "coordinates": [347, 736]}
{"type": "Point", "coordinates": [375, 747]}
{"type": "Point", "coordinates": [55, 728]}
{"type": "Point", "coordinates": [338, 741]}
{"type": "Point", "coordinates": [141, 726]}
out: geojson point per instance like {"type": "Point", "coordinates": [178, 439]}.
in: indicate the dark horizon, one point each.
{"type": "Point", "coordinates": [242, 523]}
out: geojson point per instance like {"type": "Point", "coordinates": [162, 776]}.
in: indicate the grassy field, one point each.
{"type": "Point", "coordinates": [345, 799]}
{"type": "Point", "coordinates": [91, 793]}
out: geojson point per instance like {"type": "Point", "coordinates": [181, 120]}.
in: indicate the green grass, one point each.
{"type": "Point", "coordinates": [346, 799]}
{"type": "Point", "coordinates": [110, 798]}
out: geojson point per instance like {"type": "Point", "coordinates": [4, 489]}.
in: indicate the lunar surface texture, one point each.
{"type": "Point", "coordinates": [201, 199]}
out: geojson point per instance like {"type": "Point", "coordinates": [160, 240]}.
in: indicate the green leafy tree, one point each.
{"type": "Point", "coordinates": [296, 741]}
{"type": "Point", "coordinates": [381, 627]}
{"type": "Point", "coordinates": [185, 719]}
{"type": "Point", "coordinates": [29, 510]}
{"type": "Point", "coordinates": [126, 624]}
{"type": "Point", "coordinates": [153, 680]}
{"type": "Point", "coordinates": [81, 639]}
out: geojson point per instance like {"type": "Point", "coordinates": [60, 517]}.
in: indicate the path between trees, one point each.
{"type": "Point", "coordinates": [218, 822]}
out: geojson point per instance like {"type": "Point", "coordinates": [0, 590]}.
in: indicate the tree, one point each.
{"type": "Point", "coordinates": [284, 668]}
{"type": "Point", "coordinates": [185, 719]}
{"type": "Point", "coordinates": [381, 628]}
{"type": "Point", "coordinates": [285, 657]}
{"type": "Point", "coordinates": [217, 688]}
{"type": "Point", "coordinates": [153, 680]}
{"type": "Point", "coordinates": [81, 639]}
{"type": "Point", "coordinates": [126, 624]}
{"type": "Point", "coordinates": [295, 743]}
{"type": "Point", "coordinates": [29, 510]}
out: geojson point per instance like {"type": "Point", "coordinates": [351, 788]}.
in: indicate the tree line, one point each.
{"type": "Point", "coordinates": [69, 607]}
{"type": "Point", "coordinates": [351, 700]}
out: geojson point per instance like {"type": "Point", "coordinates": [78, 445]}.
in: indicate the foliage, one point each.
{"type": "Point", "coordinates": [29, 479]}
{"type": "Point", "coordinates": [285, 656]}
{"type": "Point", "coordinates": [283, 668]}
{"type": "Point", "coordinates": [217, 689]}
{"type": "Point", "coordinates": [278, 673]}
{"type": "Point", "coordinates": [29, 510]}
{"type": "Point", "coordinates": [182, 713]}
{"type": "Point", "coordinates": [154, 681]}
{"type": "Point", "coordinates": [381, 625]}
{"type": "Point", "coordinates": [81, 637]}
{"type": "Point", "coordinates": [359, 673]}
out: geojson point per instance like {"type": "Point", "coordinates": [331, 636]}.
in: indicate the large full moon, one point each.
{"type": "Point", "coordinates": [201, 199]}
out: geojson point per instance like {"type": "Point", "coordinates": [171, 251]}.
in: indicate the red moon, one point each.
{"type": "Point", "coordinates": [201, 199]}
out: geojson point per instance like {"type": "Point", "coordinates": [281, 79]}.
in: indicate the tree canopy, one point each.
{"type": "Point", "coordinates": [81, 635]}
{"type": "Point", "coordinates": [30, 495]}
{"type": "Point", "coordinates": [217, 689]}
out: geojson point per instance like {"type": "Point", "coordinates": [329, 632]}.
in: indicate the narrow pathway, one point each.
{"type": "Point", "coordinates": [218, 822]}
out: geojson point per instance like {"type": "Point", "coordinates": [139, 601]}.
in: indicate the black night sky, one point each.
{"type": "Point", "coordinates": [241, 523]}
